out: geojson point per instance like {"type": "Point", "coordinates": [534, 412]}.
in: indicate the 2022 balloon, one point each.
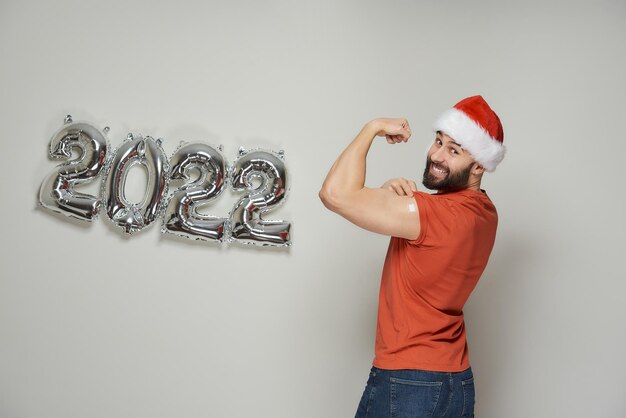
{"type": "Point", "coordinates": [260, 174]}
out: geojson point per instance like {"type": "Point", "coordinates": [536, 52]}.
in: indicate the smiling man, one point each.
{"type": "Point", "coordinates": [439, 248]}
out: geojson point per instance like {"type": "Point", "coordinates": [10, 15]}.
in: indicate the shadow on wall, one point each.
{"type": "Point", "coordinates": [492, 315]}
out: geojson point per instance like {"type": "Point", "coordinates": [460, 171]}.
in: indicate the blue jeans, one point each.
{"type": "Point", "coordinates": [417, 394]}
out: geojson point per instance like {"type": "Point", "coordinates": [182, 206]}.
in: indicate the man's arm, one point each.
{"type": "Point", "coordinates": [378, 210]}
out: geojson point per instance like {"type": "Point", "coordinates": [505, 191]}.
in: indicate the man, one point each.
{"type": "Point", "coordinates": [440, 246]}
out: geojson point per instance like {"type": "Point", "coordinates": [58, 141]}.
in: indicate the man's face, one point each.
{"type": "Point", "coordinates": [448, 166]}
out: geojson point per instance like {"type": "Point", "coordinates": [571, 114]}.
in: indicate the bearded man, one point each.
{"type": "Point", "coordinates": [440, 244]}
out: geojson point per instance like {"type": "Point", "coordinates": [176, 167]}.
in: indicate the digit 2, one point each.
{"type": "Point", "coordinates": [181, 216]}
{"type": "Point", "coordinates": [246, 223]}
{"type": "Point", "coordinates": [57, 190]}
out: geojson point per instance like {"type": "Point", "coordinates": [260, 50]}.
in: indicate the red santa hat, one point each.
{"type": "Point", "coordinates": [477, 128]}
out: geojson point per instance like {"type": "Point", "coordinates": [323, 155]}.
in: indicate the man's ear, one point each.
{"type": "Point", "coordinates": [478, 169]}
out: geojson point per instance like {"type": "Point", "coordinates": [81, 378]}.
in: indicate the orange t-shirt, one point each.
{"type": "Point", "coordinates": [426, 282]}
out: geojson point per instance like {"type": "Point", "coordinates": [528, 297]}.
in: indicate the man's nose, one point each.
{"type": "Point", "coordinates": [438, 155]}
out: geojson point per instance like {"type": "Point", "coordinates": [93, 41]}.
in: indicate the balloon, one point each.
{"type": "Point", "coordinates": [259, 173]}
{"type": "Point", "coordinates": [246, 223]}
{"type": "Point", "coordinates": [181, 216]}
{"type": "Point", "coordinates": [57, 190]}
{"type": "Point", "coordinates": [132, 217]}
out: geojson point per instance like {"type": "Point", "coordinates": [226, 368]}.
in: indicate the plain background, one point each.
{"type": "Point", "coordinates": [96, 324]}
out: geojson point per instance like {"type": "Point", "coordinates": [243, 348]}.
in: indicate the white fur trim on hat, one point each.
{"type": "Point", "coordinates": [487, 151]}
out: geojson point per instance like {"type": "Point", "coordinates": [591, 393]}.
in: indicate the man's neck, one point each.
{"type": "Point", "coordinates": [474, 184]}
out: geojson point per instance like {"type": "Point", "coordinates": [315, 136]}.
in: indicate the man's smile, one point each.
{"type": "Point", "coordinates": [439, 171]}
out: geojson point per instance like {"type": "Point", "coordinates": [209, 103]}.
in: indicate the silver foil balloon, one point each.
{"type": "Point", "coordinates": [181, 216]}
{"type": "Point", "coordinates": [57, 190]}
{"type": "Point", "coordinates": [133, 217]}
{"type": "Point", "coordinates": [247, 226]}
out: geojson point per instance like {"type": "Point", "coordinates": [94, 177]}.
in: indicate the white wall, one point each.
{"type": "Point", "coordinates": [94, 324]}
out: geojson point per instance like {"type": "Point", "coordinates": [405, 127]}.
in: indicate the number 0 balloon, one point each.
{"type": "Point", "coordinates": [132, 217]}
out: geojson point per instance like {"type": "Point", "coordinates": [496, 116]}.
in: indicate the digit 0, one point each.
{"type": "Point", "coordinates": [132, 217]}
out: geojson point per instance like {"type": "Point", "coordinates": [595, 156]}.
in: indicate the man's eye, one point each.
{"type": "Point", "coordinates": [453, 151]}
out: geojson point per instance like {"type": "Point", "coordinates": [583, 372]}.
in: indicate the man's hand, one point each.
{"type": "Point", "coordinates": [394, 129]}
{"type": "Point", "coordinates": [400, 186]}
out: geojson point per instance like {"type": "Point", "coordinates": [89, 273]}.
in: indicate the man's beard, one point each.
{"type": "Point", "coordinates": [452, 181]}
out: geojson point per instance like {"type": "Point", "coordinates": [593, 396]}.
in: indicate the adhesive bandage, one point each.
{"type": "Point", "coordinates": [412, 207]}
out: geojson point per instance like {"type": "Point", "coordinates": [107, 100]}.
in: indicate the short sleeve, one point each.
{"type": "Point", "coordinates": [438, 218]}
{"type": "Point", "coordinates": [422, 208]}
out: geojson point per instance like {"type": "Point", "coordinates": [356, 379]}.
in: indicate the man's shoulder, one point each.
{"type": "Point", "coordinates": [459, 201]}
{"type": "Point", "coordinates": [465, 195]}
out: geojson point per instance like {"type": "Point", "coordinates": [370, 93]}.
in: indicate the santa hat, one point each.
{"type": "Point", "coordinates": [477, 128]}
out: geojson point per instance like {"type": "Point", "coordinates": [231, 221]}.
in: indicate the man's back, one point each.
{"type": "Point", "coordinates": [427, 281]}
